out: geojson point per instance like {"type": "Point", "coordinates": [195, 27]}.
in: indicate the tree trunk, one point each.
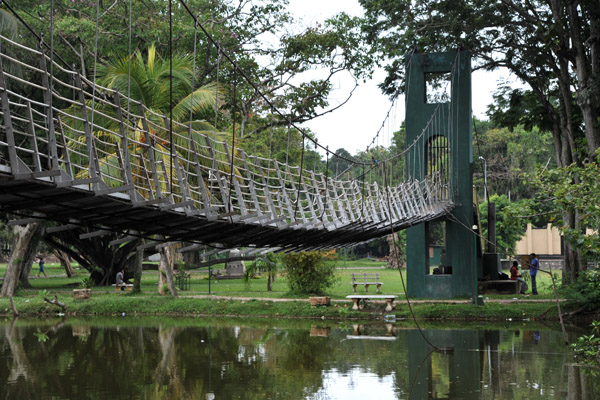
{"type": "Point", "coordinates": [22, 237]}
{"type": "Point", "coordinates": [30, 254]}
{"type": "Point", "coordinates": [137, 271]}
{"type": "Point", "coordinates": [167, 366]}
{"type": "Point", "coordinates": [65, 262]}
{"type": "Point", "coordinates": [587, 89]}
{"type": "Point", "coordinates": [20, 366]}
{"type": "Point", "coordinates": [393, 258]}
{"type": "Point", "coordinates": [165, 271]}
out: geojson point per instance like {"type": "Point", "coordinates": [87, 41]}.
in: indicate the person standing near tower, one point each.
{"type": "Point", "coordinates": [534, 265]}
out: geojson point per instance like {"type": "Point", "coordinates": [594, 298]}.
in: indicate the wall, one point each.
{"type": "Point", "coordinates": [541, 241]}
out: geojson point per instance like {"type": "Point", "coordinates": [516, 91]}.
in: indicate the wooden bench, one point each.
{"type": "Point", "coordinates": [127, 286]}
{"type": "Point", "coordinates": [507, 286]}
{"type": "Point", "coordinates": [366, 279]}
{"type": "Point", "coordinates": [389, 298]}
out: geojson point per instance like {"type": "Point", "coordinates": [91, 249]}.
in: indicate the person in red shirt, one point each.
{"type": "Point", "coordinates": [514, 275]}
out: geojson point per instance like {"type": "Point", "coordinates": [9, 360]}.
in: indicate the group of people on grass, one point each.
{"type": "Point", "coordinates": [534, 266]}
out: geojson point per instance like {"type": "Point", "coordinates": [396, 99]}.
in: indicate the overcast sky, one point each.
{"type": "Point", "coordinates": [355, 124]}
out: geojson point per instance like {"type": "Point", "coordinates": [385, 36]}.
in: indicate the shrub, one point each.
{"type": "Point", "coordinates": [586, 290]}
{"type": "Point", "coordinates": [587, 349]}
{"type": "Point", "coordinates": [308, 273]}
{"type": "Point", "coordinates": [86, 283]}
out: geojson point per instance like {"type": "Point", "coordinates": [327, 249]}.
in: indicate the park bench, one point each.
{"type": "Point", "coordinates": [366, 279]}
{"type": "Point", "coordinates": [127, 286]}
{"type": "Point", "coordinates": [506, 286]}
{"type": "Point", "coordinates": [389, 299]}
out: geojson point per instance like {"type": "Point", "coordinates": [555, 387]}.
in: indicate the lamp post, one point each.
{"type": "Point", "coordinates": [484, 177]}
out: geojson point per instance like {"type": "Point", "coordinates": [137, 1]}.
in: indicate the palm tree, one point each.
{"type": "Point", "coordinates": [156, 83]}
{"type": "Point", "coordinates": [149, 80]}
{"type": "Point", "coordinates": [8, 24]}
{"type": "Point", "coordinates": [266, 263]}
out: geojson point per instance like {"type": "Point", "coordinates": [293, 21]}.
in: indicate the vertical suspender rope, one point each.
{"type": "Point", "coordinates": [193, 69]}
{"type": "Point", "coordinates": [129, 66]}
{"type": "Point", "coordinates": [233, 109]}
{"type": "Point", "coordinates": [300, 171]}
{"type": "Point", "coordinates": [315, 163]}
{"type": "Point", "coordinates": [395, 254]}
{"type": "Point", "coordinates": [51, 84]}
{"type": "Point", "coordinates": [214, 164]}
{"type": "Point", "coordinates": [171, 94]}
{"type": "Point", "coordinates": [288, 146]}
{"type": "Point", "coordinates": [270, 146]}
{"type": "Point", "coordinates": [326, 182]}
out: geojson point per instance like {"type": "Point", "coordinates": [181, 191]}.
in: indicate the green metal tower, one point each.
{"type": "Point", "coordinates": [447, 144]}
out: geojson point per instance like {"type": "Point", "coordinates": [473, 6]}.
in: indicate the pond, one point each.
{"type": "Point", "coordinates": [184, 358]}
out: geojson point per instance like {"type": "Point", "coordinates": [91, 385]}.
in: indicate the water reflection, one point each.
{"type": "Point", "coordinates": [216, 359]}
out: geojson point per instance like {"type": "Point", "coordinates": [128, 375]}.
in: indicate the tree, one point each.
{"type": "Point", "coordinates": [266, 263]}
{"type": "Point", "coordinates": [509, 226]}
{"type": "Point", "coordinates": [22, 253]}
{"type": "Point", "coordinates": [308, 273]}
{"type": "Point", "coordinates": [511, 155]}
{"type": "Point", "coordinates": [551, 45]}
{"type": "Point", "coordinates": [95, 254]}
{"type": "Point", "coordinates": [239, 28]}
{"type": "Point", "coordinates": [576, 190]}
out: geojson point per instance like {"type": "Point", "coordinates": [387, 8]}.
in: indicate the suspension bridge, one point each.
{"type": "Point", "coordinates": [80, 154]}
{"type": "Point", "coordinates": [56, 164]}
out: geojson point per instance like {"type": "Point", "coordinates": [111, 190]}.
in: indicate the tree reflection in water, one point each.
{"type": "Point", "coordinates": [216, 359]}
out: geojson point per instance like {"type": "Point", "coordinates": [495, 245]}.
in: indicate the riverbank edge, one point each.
{"type": "Point", "coordinates": [209, 306]}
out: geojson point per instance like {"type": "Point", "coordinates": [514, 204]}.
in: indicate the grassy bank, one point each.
{"type": "Point", "coordinates": [258, 302]}
{"type": "Point", "coordinates": [117, 304]}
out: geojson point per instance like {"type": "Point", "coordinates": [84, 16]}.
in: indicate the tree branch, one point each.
{"type": "Point", "coordinates": [57, 303]}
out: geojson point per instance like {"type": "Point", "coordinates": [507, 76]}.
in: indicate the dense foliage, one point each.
{"type": "Point", "coordinates": [509, 227]}
{"type": "Point", "coordinates": [585, 291]}
{"type": "Point", "coordinates": [587, 349]}
{"type": "Point", "coordinates": [576, 190]}
{"type": "Point", "coordinates": [307, 272]}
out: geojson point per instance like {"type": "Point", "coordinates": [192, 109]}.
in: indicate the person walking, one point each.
{"type": "Point", "coordinates": [42, 268]}
{"type": "Point", "coordinates": [534, 265]}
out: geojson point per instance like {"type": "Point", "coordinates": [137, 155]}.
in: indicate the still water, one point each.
{"type": "Point", "coordinates": [152, 358]}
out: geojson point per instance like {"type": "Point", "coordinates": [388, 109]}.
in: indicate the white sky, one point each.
{"type": "Point", "coordinates": [354, 125]}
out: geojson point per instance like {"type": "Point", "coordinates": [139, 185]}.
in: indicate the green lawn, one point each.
{"type": "Point", "coordinates": [257, 287]}
{"type": "Point", "coordinates": [105, 300]}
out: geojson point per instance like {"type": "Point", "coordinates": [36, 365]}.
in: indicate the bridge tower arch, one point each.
{"type": "Point", "coordinates": [447, 151]}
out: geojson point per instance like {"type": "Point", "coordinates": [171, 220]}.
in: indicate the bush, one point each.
{"type": "Point", "coordinates": [586, 290]}
{"type": "Point", "coordinates": [587, 349]}
{"type": "Point", "coordinates": [308, 273]}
